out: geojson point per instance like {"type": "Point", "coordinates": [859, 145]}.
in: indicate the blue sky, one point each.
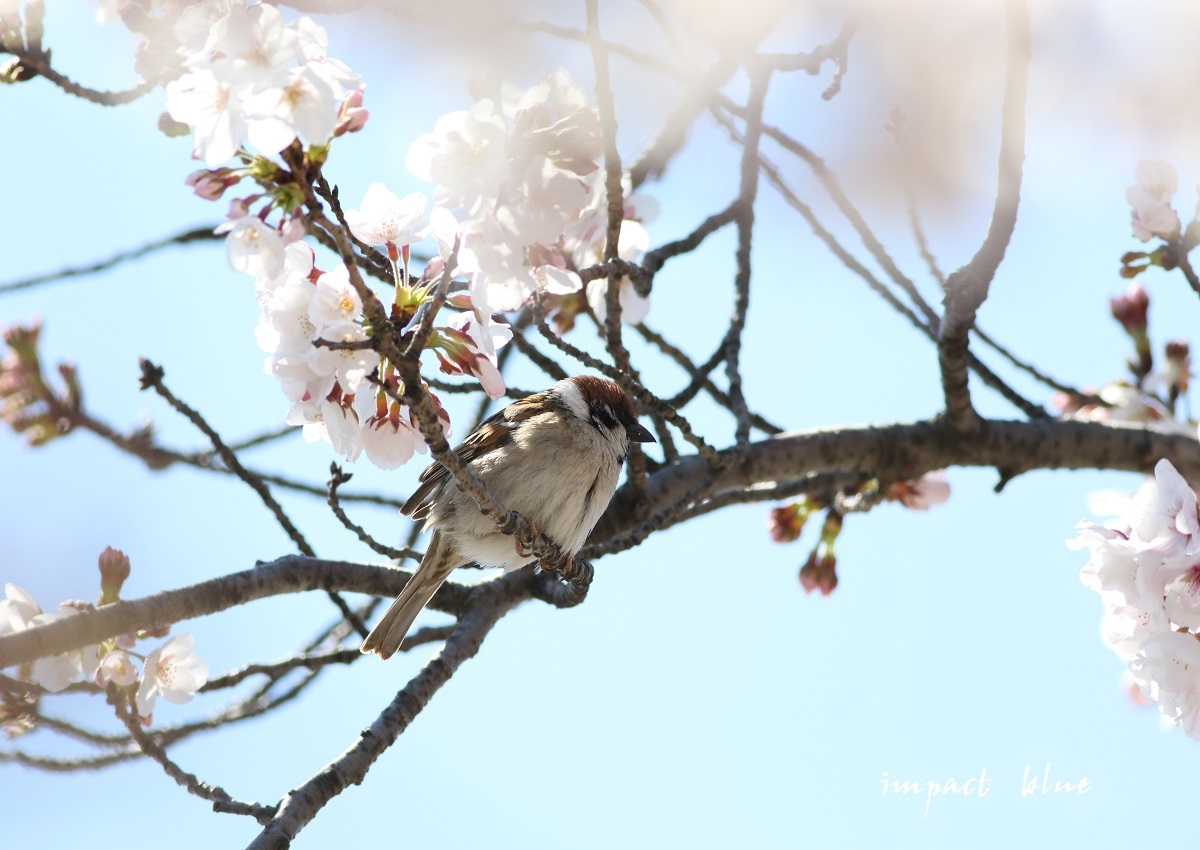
{"type": "Point", "coordinates": [698, 698]}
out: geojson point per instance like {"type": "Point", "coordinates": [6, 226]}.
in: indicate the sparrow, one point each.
{"type": "Point", "coordinates": [554, 457]}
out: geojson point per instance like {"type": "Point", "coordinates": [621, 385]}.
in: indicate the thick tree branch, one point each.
{"type": "Point", "coordinates": [967, 287]}
{"type": "Point", "coordinates": [292, 574]}
{"type": "Point", "coordinates": [903, 451]}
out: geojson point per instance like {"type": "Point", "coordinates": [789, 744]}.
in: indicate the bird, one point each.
{"type": "Point", "coordinates": [554, 457]}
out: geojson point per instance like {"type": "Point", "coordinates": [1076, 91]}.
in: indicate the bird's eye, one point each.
{"type": "Point", "coordinates": [602, 414]}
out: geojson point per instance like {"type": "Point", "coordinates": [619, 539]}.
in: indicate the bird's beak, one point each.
{"type": "Point", "coordinates": [638, 434]}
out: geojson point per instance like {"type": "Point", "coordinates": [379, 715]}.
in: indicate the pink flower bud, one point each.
{"type": "Point", "coordinates": [1131, 308]}
{"type": "Point", "coordinates": [1179, 364]}
{"type": "Point", "coordinates": [114, 569]}
{"type": "Point", "coordinates": [292, 229]}
{"type": "Point", "coordinates": [210, 184]}
{"type": "Point", "coordinates": [125, 641]}
{"type": "Point", "coordinates": [819, 572]}
{"type": "Point", "coordinates": [238, 209]}
{"type": "Point", "coordinates": [351, 116]}
{"type": "Point", "coordinates": [921, 493]}
{"type": "Point", "coordinates": [785, 522]}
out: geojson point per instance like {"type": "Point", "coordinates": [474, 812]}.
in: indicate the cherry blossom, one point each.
{"type": "Point", "coordinates": [349, 366]}
{"type": "Point", "coordinates": [1126, 627]}
{"type": "Point", "coordinates": [257, 47]}
{"type": "Point", "coordinates": [1175, 372]}
{"type": "Point", "coordinates": [1113, 561]}
{"type": "Point", "coordinates": [253, 247]}
{"type": "Point", "coordinates": [633, 306]}
{"type": "Point", "coordinates": [213, 109]}
{"type": "Point", "coordinates": [466, 347]}
{"type": "Point", "coordinates": [198, 27]}
{"type": "Point", "coordinates": [339, 426]}
{"type": "Point", "coordinates": [118, 668]}
{"type": "Point", "coordinates": [313, 44]}
{"type": "Point", "coordinates": [384, 219]}
{"type": "Point", "coordinates": [1148, 580]}
{"type": "Point", "coordinates": [555, 281]}
{"type": "Point", "coordinates": [631, 246]}
{"type": "Point", "coordinates": [55, 672]}
{"type": "Point", "coordinates": [297, 267]}
{"type": "Point", "coordinates": [1182, 601]}
{"type": "Point", "coordinates": [389, 438]}
{"type": "Point", "coordinates": [286, 329]}
{"type": "Point", "coordinates": [1150, 198]}
{"type": "Point", "coordinates": [174, 672]}
{"type": "Point", "coordinates": [1169, 672]}
{"type": "Point", "coordinates": [114, 570]}
{"type": "Point", "coordinates": [1123, 403]}
{"type": "Point", "coordinates": [335, 299]}
{"type": "Point", "coordinates": [1164, 517]}
{"type": "Point", "coordinates": [211, 184]}
{"type": "Point", "coordinates": [305, 106]}
{"type": "Point", "coordinates": [1131, 308]}
{"type": "Point", "coordinates": [251, 76]}
{"type": "Point", "coordinates": [523, 170]}
{"type": "Point", "coordinates": [17, 609]}
{"type": "Point", "coordinates": [466, 155]}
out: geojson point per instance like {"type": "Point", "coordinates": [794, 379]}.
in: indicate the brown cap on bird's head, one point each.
{"type": "Point", "coordinates": [606, 403]}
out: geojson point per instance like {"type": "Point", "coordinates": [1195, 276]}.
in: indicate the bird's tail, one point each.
{"type": "Point", "coordinates": [435, 567]}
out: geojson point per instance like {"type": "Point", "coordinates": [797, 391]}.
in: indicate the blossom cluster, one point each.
{"type": "Point", "coordinates": [172, 671]}
{"type": "Point", "coordinates": [329, 391]}
{"type": "Point", "coordinates": [1150, 197]}
{"type": "Point", "coordinates": [519, 208]}
{"type": "Point", "coordinates": [1147, 573]}
{"type": "Point", "coordinates": [249, 76]}
{"type": "Point", "coordinates": [522, 169]}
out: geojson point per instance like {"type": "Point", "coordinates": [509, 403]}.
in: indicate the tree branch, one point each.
{"type": "Point", "coordinates": [905, 451]}
{"type": "Point", "coordinates": [291, 574]}
{"type": "Point", "coordinates": [967, 287]}
{"type": "Point", "coordinates": [301, 805]}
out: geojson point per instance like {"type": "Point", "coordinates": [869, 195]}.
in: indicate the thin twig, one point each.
{"type": "Point", "coordinates": [543, 361]}
{"type": "Point", "coordinates": [654, 260]}
{"type": "Point", "coordinates": [41, 66]}
{"type": "Point", "coordinates": [926, 327]}
{"type": "Point", "coordinates": [313, 661]}
{"type": "Point", "coordinates": [203, 790]}
{"type": "Point", "coordinates": [186, 237]}
{"type": "Point", "coordinates": [718, 395]}
{"type": "Point", "coordinates": [152, 377]}
{"type": "Point", "coordinates": [747, 192]}
{"type": "Point", "coordinates": [336, 479]}
{"type": "Point", "coordinates": [640, 393]}
{"type": "Point", "coordinates": [614, 194]}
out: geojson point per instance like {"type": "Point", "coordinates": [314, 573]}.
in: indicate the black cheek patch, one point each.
{"type": "Point", "coordinates": [603, 414]}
